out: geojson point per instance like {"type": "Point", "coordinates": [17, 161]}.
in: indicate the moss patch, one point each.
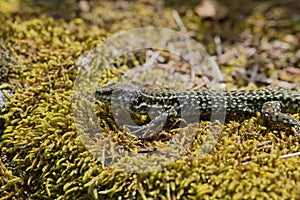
{"type": "Point", "coordinates": [42, 156]}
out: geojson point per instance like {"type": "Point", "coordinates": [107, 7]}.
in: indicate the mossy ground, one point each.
{"type": "Point", "coordinates": [42, 157]}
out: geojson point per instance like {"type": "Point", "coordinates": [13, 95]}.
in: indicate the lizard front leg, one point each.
{"type": "Point", "coordinates": [153, 127]}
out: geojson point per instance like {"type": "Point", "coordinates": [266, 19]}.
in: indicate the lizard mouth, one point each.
{"type": "Point", "coordinates": [116, 93]}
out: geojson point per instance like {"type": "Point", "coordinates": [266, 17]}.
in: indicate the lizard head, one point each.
{"type": "Point", "coordinates": [119, 94]}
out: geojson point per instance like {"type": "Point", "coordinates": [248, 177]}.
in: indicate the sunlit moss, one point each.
{"type": "Point", "coordinates": [42, 156]}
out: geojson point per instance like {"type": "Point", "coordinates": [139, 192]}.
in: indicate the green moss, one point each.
{"type": "Point", "coordinates": [42, 157]}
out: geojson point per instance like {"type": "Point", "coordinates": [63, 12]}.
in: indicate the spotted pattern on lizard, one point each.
{"type": "Point", "coordinates": [275, 104]}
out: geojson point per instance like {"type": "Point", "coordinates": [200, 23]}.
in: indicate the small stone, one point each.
{"type": "Point", "coordinates": [211, 9]}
